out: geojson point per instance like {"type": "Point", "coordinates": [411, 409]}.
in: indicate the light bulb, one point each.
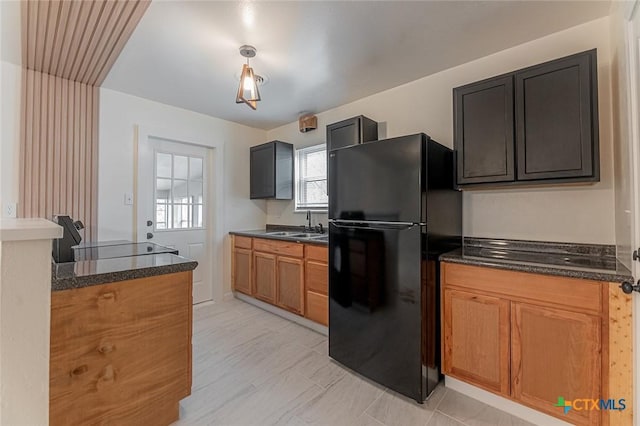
{"type": "Point", "coordinates": [248, 83]}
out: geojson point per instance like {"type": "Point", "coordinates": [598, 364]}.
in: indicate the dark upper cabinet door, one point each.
{"type": "Point", "coordinates": [351, 132]}
{"type": "Point", "coordinates": [484, 132]}
{"type": "Point", "coordinates": [271, 170]}
{"type": "Point", "coordinates": [557, 119]}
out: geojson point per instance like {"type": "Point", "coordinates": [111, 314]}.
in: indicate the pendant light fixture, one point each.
{"type": "Point", "coordinates": [248, 88]}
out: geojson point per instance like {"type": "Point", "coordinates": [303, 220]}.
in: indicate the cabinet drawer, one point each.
{"type": "Point", "coordinates": [579, 294]}
{"type": "Point", "coordinates": [278, 247]}
{"type": "Point", "coordinates": [318, 307]}
{"type": "Point", "coordinates": [317, 277]}
{"type": "Point", "coordinates": [242, 242]}
{"type": "Point", "coordinates": [317, 253]}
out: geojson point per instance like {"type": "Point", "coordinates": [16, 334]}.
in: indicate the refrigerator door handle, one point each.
{"type": "Point", "coordinates": [355, 224]}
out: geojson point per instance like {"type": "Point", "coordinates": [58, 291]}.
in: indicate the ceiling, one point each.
{"type": "Point", "coordinates": [317, 55]}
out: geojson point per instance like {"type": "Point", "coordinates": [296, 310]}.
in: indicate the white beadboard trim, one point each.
{"type": "Point", "coordinates": [284, 314]}
{"type": "Point", "coordinates": [508, 406]}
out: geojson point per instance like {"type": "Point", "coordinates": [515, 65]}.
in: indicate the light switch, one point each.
{"type": "Point", "coordinates": [128, 199]}
{"type": "Point", "coordinates": [10, 210]}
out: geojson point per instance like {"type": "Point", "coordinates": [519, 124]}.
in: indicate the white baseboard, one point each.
{"type": "Point", "coordinates": [227, 296]}
{"type": "Point", "coordinates": [284, 314]}
{"type": "Point", "coordinates": [506, 405]}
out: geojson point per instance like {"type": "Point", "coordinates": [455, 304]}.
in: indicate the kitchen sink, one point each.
{"type": "Point", "coordinates": [322, 237]}
{"type": "Point", "coordinates": [283, 234]}
{"type": "Point", "coordinates": [303, 235]}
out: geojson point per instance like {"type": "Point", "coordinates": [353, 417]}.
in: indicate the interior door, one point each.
{"type": "Point", "coordinates": [172, 204]}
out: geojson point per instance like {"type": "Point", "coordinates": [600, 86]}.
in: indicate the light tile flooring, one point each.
{"type": "Point", "coordinates": [254, 368]}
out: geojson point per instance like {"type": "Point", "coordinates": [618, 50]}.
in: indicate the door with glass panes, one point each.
{"type": "Point", "coordinates": [172, 204]}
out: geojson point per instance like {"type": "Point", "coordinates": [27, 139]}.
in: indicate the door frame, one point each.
{"type": "Point", "coordinates": [630, 12]}
{"type": "Point", "coordinates": [215, 190]}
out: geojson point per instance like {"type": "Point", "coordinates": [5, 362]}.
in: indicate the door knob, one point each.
{"type": "Point", "coordinates": [149, 223]}
{"type": "Point", "coordinates": [149, 235]}
{"type": "Point", "coordinates": [629, 288]}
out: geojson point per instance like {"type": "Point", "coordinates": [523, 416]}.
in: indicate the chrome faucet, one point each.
{"type": "Point", "coordinates": [309, 220]}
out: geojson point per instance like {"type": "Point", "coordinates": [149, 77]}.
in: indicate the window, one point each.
{"type": "Point", "coordinates": [311, 178]}
{"type": "Point", "coordinates": [179, 189]}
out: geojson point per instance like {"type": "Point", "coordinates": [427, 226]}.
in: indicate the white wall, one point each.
{"type": "Point", "coordinates": [576, 213]}
{"type": "Point", "coordinates": [10, 81]}
{"type": "Point", "coordinates": [120, 113]}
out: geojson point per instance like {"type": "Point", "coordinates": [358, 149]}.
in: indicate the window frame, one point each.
{"type": "Point", "coordinates": [299, 181]}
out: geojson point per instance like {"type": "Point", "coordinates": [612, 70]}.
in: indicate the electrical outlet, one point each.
{"type": "Point", "coordinates": [10, 210]}
{"type": "Point", "coordinates": [128, 199]}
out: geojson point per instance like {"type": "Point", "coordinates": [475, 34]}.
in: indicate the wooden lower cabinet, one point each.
{"type": "Point", "coordinates": [290, 275]}
{"type": "Point", "coordinates": [121, 352]}
{"type": "Point", "coordinates": [317, 290]}
{"type": "Point", "coordinates": [242, 270]}
{"type": "Point", "coordinates": [536, 338]}
{"type": "Point", "coordinates": [555, 353]}
{"type": "Point", "coordinates": [264, 276]}
{"type": "Point", "coordinates": [290, 284]}
{"type": "Point", "coordinates": [476, 339]}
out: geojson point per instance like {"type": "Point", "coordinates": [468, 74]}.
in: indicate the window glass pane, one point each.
{"type": "Point", "coordinates": [195, 192]}
{"type": "Point", "coordinates": [163, 165]}
{"type": "Point", "coordinates": [163, 190]}
{"type": "Point", "coordinates": [315, 192]}
{"type": "Point", "coordinates": [162, 216]}
{"type": "Point", "coordinates": [181, 216]}
{"type": "Point", "coordinates": [316, 164]}
{"type": "Point", "coordinates": [197, 216]}
{"type": "Point", "coordinates": [180, 191]}
{"type": "Point", "coordinates": [195, 170]}
{"type": "Point", "coordinates": [180, 167]}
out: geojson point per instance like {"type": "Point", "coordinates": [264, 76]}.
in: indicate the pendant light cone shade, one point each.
{"type": "Point", "coordinates": [248, 87]}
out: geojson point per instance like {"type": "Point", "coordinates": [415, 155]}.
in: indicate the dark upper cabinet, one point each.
{"type": "Point", "coordinates": [353, 131]}
{"type": "Point", "coordinates": [483, 131]}
{"type": "Point", "coordinates": [271, 168]}
{"type": "Point", "coordinates": [536, 125]}
{"type": "Point", "coordinates": [557, 115]}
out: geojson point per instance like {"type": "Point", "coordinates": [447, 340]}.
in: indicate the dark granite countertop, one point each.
{"type": "Point", "coordinates": [585, 261]}
{"type": "Point", "coordinates": [112, 261]}
{"type": "Point", "coordinates": [268, 233]}
{"type": "Point", "coordinates": [85, 273]}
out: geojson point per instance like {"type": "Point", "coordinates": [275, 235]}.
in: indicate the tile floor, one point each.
{"type": "Point", "coordinates": [254, 368]}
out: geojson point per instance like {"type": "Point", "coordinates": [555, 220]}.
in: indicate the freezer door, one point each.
{"type": "Point", "coordinates": [376, 321]}
{"type": "Point", "coordinates": [378, 180]}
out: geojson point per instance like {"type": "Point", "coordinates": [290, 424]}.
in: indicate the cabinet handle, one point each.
{"type": "Point", "coordinates": [79, 370]}
{"type": "Point", "coordinates": [106, 348]}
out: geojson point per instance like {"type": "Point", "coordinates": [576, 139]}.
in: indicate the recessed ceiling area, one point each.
{"type": "Point", "coordinates": [318, 55]}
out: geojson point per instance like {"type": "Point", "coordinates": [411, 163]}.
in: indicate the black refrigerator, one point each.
{"type": "Point", "coordinates": [393, 209]}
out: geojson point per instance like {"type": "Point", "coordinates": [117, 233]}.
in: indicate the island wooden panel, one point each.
{"type": "Point", "coordinates": [121, 352]}
{"type": "Point", "coordinates": [476, 339]}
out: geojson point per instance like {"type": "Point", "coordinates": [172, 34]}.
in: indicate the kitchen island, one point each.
{"type": "Point", "coordinates": [121, 320]}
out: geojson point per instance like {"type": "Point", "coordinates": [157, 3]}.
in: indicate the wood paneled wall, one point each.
{"type": "Point", "coordinates": [68, 48]}
{"type": "Point", "coordinates": [60, 149]}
